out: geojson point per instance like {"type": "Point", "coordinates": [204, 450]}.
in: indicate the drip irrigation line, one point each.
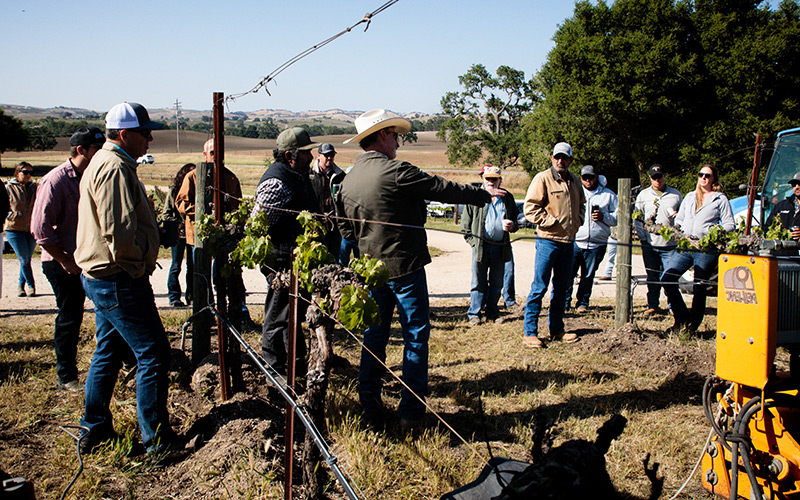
{"type": "Point", "coordinates": [298, 408]}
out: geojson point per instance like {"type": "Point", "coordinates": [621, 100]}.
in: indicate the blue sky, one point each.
{"type": "Point", "coordinates": [95, 54]}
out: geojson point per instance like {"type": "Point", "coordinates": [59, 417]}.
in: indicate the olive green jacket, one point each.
{"type": "Point", "coordinates": [383, 190]}
{"type": "Point", "coordinates": [473, 225]}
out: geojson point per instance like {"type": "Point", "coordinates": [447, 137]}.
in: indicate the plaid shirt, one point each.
{"type": "Point", "coordinates": [271, 194]}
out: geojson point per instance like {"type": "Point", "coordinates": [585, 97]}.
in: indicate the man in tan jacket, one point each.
{"type": "Point", "coordinates": [555, 203]}
{"type": "Point", "coordinates": [117, 247]}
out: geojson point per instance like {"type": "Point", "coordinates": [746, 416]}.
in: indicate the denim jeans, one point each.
{"type": "Point", "coordinates": [173, 279]}
{"type": "Point", "coordinates": [704, 266]}
{"type": "Point", "coordinates": [125, 313]}
{"type": "Point", "coordinates": [486, 291]}
{"type": "Point", "coordinates": [410, 294]}
{"type": "Point", "coordinates": [275, 330]}
{"type": "Point", "coordinates": [23, 244]}
{"type": "Point", "coordinates": [509, 289]}
{"type": "Point", "coordinates": [347, 246]}
{"type": "Point", "coordinates": [70, 298]}
{"type": "Point", "coordinates": [554, 259]}
{"type": "Point", "coordinates": [655, 261]}
{"type": "Point", "coordinates": [585, 260]}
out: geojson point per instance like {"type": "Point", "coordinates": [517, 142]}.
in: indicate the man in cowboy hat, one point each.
{"type": "Point", "coordinates": [486, 230]}
{"type": "Point", "coordinates": [381, 189]}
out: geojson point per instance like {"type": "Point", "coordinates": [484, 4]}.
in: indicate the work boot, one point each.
{"type": "Point", "coordinates": [532, 341]}
{"type": "Point", "coordinates": [21, 291]}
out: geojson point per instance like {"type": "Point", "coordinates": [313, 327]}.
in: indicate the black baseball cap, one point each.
{"type": "Point", "coordinates": [86, 136]}
{"type": "Point", "coordinates": [656, 170]}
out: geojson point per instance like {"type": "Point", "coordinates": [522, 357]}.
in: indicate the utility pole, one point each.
{"type": "Point", "coordinates": [178, 123]}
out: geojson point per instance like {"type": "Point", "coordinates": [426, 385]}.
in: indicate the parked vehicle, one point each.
{"type": "Point", "coordinates": [521, 220]}
{"type": "Point", "coordinates": [146, 159]}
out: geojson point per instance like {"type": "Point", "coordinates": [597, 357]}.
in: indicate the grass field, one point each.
{"type": "Point", "coordinates": [483, 384]}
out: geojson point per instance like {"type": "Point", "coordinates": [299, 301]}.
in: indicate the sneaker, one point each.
{"type": "Point", "coordinates": [499, 320]}
{"type": "Point", "coordinates": [94, 439]}
{"type": "Point", "coordinates": [604, 278]}
{"type": "Point", "coordinates": [72, 385]}
{"type": "Point", "coordinates": [177, 304]}
{"type": "Point", "coordinates": [582, 310]}
{"type": "Point", "coordinates": [474, 320]}
{"type": "Point", "coordinates": [21, 291]}
{"type": "Point", "coordinates": [31, 291]}
{"type": "Point", "coordinates": [532, 341]}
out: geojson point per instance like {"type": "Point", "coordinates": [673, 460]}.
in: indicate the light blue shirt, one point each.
{"type": "Point", "coordinates": [495, 213]}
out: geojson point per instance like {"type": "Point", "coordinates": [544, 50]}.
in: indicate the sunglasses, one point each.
{"type": "Point", "coordinates": [703, 175]}
{"type": "Point", "coordinates": [144, 133]}
{"type": "Point", "coordinates": [27, 172]}
{"type": "Point", "coordinates": [587, 177]}
{"type": "Point", "coordinates": [656, 177]}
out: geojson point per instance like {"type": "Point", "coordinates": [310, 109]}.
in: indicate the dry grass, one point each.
{"type": "Point", "coordinates": [577, 388]}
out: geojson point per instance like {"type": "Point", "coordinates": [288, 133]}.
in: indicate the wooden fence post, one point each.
{"type": "Point", "coordinates": [622, 312]}
{"type": "Point", "coordinates": [201, 325]}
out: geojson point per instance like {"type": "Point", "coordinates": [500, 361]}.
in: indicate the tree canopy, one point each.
{"type": "Point", "coordinates": [485, 117]}
{"type": "Point", "coordinates": [664, 81]}
{"type": "Point", "coordinates": [13, 135]}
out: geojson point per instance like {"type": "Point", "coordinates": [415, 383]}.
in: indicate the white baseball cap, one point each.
{"type": "Point", "coordinates": [128, 115]}
{"type": "Point", "coordinates": [562, 148]}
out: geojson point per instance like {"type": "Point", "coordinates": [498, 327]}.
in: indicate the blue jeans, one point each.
{"type": "Point", "coordinates": [655, 261]}
{"type": "Point", "coordinates": [125, 313]}
{"type": "Point", "coordinates": [704, 266]}
{"type": "Point", "coordinates": [509, 289]}
{"type": "Point", "coordinates": [483, 291]}
{"type": "Point", "coordinates": [70, 298]}
{"type": "Point", "coordinates": [23, 244]}
{"type": "Point", "coordinates": [346, 247]}
{"type": "Point", "coordinates": [173, 279]}
{"type": "Point", "coordinates": [585, 260]}
{"type": "Point", "coordinates": [552, 259]}
{"type": "Point", "coordinates": [410, 294]}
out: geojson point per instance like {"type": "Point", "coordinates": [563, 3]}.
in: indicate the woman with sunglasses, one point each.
{"type": "Point", "coordinates": [699, 211]}
{"type": "Point", "coordinates": [21, 194]}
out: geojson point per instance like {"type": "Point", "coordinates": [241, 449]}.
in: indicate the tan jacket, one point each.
{"type": "Point", "coordinates": [554, 205]}
{"type": "Point", "coordinates": [117, 228]}
{"type": "Point", "coordinates": [185, 200]}
{"type": "Point", "coordinates": [21, 197]}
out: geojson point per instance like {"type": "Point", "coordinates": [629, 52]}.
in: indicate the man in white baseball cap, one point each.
{"type": "Point", "coordinates": [381, 188]}
{"type": "Point", "coordinates": [555, 203]}
{"type": "Point", "coordinates": [117, 247]}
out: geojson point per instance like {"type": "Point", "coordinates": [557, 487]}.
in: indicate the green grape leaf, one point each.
{"type": "Point", "coordinates": [373, 271]}
{"type": "Point", "coordinates": [357, 310]}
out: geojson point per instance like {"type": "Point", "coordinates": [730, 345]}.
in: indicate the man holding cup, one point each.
{"type": "Point", "coordinates": [789, 209]}
{"type": "Point", "coordinates": [486, 229]}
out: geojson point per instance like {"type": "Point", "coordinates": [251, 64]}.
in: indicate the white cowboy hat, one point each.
{"type": "Point", "coordinates": [378, 119]}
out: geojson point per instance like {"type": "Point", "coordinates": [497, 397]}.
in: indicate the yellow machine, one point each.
{"type": "Point", "coordinates": [754, 452]}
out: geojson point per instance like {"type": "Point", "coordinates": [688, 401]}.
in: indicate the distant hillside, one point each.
{"type": "Point", "coordinates": [336, 117]}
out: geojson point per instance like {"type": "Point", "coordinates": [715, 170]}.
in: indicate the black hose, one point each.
{"type": "Point", "coordinates": [78, 440]}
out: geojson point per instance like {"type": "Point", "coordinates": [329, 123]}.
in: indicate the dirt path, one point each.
{"type": "Point", "coordinates": [448, 277]}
